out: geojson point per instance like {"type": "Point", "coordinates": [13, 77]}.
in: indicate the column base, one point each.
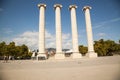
{"type": "Point", "coordinates": [91, 55]}
{"type": "Point", "coordinates": [59, 56]}
{"type": "Point", "coordinates": [76, 55]}
{"type": "Point", "coordinates": [41, 56]}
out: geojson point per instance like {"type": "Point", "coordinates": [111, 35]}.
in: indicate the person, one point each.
{"type": "Point", "coordinates": [6, 59]}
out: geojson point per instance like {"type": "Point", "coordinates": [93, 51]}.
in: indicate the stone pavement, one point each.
{"type": "Point", "coordinates": [101, 68]}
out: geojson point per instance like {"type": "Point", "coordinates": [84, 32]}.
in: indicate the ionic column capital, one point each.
{"type": "Point", "coordinates": [87, 7]}
{"type": "Point", "coordinates": [72, 6]}
{"type": "Point", "coordinates": [57, 5]}
{"type": "Point", "coordinates": [41, 5]}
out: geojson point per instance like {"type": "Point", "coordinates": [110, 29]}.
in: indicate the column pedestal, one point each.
{"type": "Point", "coordinates": [41, 56]}
{"type": "Point", "coordinates": [91, 54]}
{"type": "Point", "coordinates": [76, 55]}
{"type": "Point", "coordinates": [59, 56]}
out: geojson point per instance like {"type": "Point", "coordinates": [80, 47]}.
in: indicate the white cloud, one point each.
{"type": "Point", "coordinates": [115, 20]}
{"type": "Point", "coordinates": [30, 38]}
{"type": "Point", "coordinates": [106, 22]}
{"type": "Point", "coordinates": [29, 34]}
{"type": "Point", "coordinates": [66, 40]}
{"type": "Point", "coordinates": [65, 36]}
{"type": "Point", "coordinates": [48, 35]}
{"type": "Point", "coordinates": [6, 30]}
{"type": "Point", "coordinates": [101, 34]}
{"type": "Point", "coordinates": [50, 40]}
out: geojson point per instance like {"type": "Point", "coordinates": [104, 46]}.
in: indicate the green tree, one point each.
{"type": "Point", "coordinates": [83, 50]}
{"type": "Point", "coordinates": [104, 48]}
{"type": "Point", "coordinates": [12, 49]}
{"type": "Point", "coordinates": [2, 48]}
{"type": "Point", "coordinates": [18, 51]}
{"type": "Point", "coordinates": [24, 51]}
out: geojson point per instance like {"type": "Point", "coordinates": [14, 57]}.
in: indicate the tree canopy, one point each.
{"type": "Point", "coordinates": [103, 48]}
{"type": "Point", "coordinates": [12, 50]}
{"type": "Point", "coordinates": [107, 47]}
{"type": "Point", "coordinates": [83, 49]}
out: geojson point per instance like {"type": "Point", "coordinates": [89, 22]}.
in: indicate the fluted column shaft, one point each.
{"type": "Point", "coordinates": [74, 28]}
{"type": "Point", "coordinates": [89, 29]}
{"type": "Point", "coordinates": [41, 28]}
{"type": "Point", "coordinates": [58, 28]}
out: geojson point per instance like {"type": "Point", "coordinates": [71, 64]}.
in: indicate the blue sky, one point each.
{"type": "Point", "coordinates": [19, 21]}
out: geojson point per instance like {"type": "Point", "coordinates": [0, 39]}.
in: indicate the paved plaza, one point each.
{"type": "Point", "coordinates": [101, 68]}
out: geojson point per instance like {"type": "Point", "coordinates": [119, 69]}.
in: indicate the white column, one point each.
{"type": "Point", "coordinates": [91, 52]}
{"type": "Point", "coordinates": [59, 54]}
{"type": "Point", "coordinates": [76, 53]}
{"type": "Point", "coordinates": [41, 29]}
